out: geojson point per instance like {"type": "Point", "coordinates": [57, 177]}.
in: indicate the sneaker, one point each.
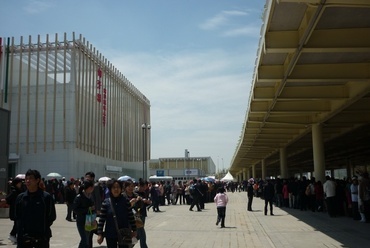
{"type": "Point", "coordinates": [218, 221]}
{"type": "Point", "coordinates": [12, 238]}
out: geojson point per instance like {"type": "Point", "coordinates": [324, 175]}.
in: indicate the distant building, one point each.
{"type": "Point", "coordinates": [71, 110]}
{"type": "Point", "coordinates": [182, 168]}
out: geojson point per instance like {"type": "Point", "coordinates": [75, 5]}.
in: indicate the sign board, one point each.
{"type": "Point", "coordinates": [191, 172]}
{"type": "Point", "coordinates": [160, 173]}
{"type": "Point", "coordinates": [113, 168]}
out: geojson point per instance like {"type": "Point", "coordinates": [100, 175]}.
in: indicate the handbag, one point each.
{"type": "Point", "coordinates": [123, 234]}
{"type": "Point", "coordinates": [138, 221]}
{"type": "Point", "coordinates": [90, 221]}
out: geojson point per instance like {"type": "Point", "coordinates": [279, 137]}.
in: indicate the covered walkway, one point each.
{"type": "Point", "coordinates": [309, 106]}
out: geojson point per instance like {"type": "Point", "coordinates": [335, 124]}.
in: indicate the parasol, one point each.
{"type": "Point", "coordinates": [54, 174]}
{"type": "Point", "coordinates": [126, 178]}
{"type": "Point", "coordinates": [21, 176]}
{"type": "Point", "coordinates": [104, 179]}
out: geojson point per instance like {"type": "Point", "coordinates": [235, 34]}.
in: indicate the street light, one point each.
{"type": "Point", "coordinates": [145, 127]}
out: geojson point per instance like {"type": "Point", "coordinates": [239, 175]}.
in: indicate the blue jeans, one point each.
{"type": "Point", "coordinates": [141, 235]}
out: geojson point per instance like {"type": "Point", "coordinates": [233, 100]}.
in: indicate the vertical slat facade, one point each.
{"type": "Point", "coordinates": [53, 94]}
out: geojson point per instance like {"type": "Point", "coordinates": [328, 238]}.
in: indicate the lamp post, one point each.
{"type": "Point", "coordinates": [145, 127]}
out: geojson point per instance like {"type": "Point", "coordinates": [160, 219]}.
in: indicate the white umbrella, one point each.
{"type": "Point", "coordinates": [53, 174]}
{"type": "Point", "coordinates": [21, 176]}
{"type": "Point", "coordinates": [125, 178]}
{"type": "Point", "coordinates": [104, 179]}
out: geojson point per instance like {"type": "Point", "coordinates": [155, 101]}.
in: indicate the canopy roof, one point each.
{"type": "Point", "coordinates": [312, 68]}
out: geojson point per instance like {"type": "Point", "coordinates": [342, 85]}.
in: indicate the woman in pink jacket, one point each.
{"type": "Point", "coordinates": [221, 200]}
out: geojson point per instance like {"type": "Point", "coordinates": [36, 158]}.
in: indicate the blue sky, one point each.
{"type": "Point", "coordinates": [194, 60]}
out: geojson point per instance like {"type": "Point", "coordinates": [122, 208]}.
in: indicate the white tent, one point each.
{"type": "Point", "coordinates": [228, 178]}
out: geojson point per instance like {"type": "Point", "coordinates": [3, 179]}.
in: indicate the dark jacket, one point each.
{"type": "Point", "coordinates": [269, 191]}
{"type": "Point", "coordinates": [35, 213]}
{"type": "Point", "coordinates": [70, 195]}
{"type": "Point", "coordinates": [11, 198]}
{"type": "Point", "coordinates": [81, 206]}
{"type": "Point", "coordinates": [124, 214]}
{"type": "Point", "coordinates": [250, 190]}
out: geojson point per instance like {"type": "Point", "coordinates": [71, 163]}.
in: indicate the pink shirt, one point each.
{"type": "Point", "coordinates": [221, 200]}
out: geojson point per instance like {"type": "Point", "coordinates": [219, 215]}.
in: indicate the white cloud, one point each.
{"type": "Point", "coordinates": [214, 22]}
{"type": "Point", "coordinates": [235, 13]}
{"type": "Point", "coordinates": [221, 19]}
{"type": "Point", "coordinates": [244, 31]}
{"type": "Point", "coordinates": [38, 6]}
{"type": "Point", "coordinates": [198, 100]}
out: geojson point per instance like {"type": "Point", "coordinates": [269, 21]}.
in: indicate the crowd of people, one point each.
{"type": "Point", "coordinates": [115, 204]}
{"type": "Point", "coordinates": [348, 197]}
{"type": "Point", "coordinates": [118, 205]}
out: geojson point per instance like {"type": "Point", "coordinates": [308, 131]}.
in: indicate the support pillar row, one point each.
{"type": "Point", "coordinates": [318, 152]}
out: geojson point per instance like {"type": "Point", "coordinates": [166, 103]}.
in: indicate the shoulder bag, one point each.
{"type": "Point", "coordinates": [123, 234]}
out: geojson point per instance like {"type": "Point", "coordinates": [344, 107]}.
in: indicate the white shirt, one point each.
{"type": "Point", "coordinates": [329, 188]}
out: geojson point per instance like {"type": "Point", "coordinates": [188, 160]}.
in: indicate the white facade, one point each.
{"type": "Point", "coordinates": [71, 110]}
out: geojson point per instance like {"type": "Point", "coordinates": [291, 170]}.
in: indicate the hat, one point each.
{"type": "Point", "coordinates": [156, 185]}
{"type": "Point", "coordinates": [354, 178]}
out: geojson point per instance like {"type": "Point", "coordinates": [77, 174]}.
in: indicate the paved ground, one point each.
{"type": "Point", "coordinates": [177, 227]}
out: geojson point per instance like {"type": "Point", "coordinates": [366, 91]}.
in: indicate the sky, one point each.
{"type": "Point", "coordinates": [194, 60]}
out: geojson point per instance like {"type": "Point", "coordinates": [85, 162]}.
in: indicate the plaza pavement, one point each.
{"type": "Point", "coordinates": [177, 227]}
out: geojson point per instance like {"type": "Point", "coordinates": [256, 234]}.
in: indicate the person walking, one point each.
{"type": "Point", "coordinates": [221, 199]}
{"type": "Point", "coordinates": [96, 197]}
{"type": "Point", "coordinates": [139, 201]}
{"type": "Point", "coordinates": [34, 213]}
{"type": "Point", "coordinates": [82, 205]}
{"type": "Point", "coordinates": [70, 195]}
{"type": "Point", "coordinates": [250, 193]}
{"type": "Point", "coordinates": [195, 194]}
{"type": "Point", "coordinates": [115, 208]}
{"type": "Point", "coordinates": [154, 196]}
{"type": "Point", "coordinates": [268, 194]}
{"type": "Point", "coordinates": [16, 189]}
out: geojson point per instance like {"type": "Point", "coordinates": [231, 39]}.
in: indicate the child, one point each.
{"type": "Point", "coordinates": [221, 200]}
